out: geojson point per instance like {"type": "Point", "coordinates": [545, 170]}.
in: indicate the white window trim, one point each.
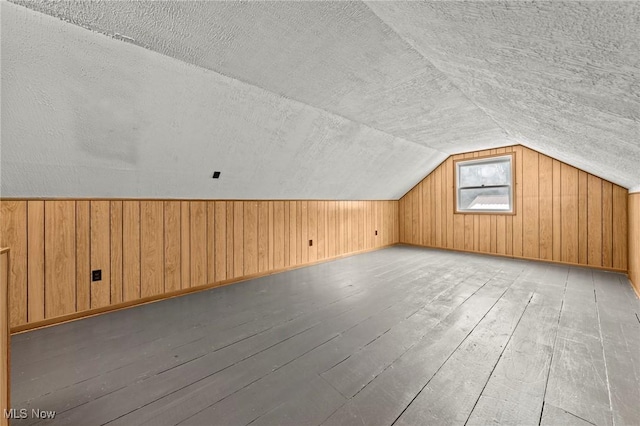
{"type": "Point", "coordinates": [489, 159]}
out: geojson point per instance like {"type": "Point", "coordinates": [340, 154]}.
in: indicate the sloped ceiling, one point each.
{"type": "Point", "coordinates": [335, 100]}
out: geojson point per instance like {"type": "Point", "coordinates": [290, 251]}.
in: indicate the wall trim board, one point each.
{"type": "Point", "coordinates": [552, 262]}
{"type": "Point", "coordinates": [160, 297]}
{"type": "Point", "coordinates": [563, 214]}
{"type": "Point", "coordinates": [154, 248]}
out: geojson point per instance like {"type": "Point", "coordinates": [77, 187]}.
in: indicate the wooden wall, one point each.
{"type": "Point", "coordinates": [562, 214]}
{"type": "Point", "coordinates": [634, 241]}
{"type": "Point", "coordinates": [150, 248]}
{"type": "Point", "coordinates": [4, 336]}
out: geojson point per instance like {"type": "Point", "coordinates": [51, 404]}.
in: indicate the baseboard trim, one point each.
{"type": "Point", "coordinates": [556, 262]}
{"type": "Point", "coordinates": [49, 322]}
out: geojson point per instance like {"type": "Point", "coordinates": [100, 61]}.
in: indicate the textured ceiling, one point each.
{"type": "Point", "coordinates": [307, 99]}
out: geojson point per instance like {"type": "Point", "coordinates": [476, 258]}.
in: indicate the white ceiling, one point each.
{"type": "Point", "coordinates": [335, 100]}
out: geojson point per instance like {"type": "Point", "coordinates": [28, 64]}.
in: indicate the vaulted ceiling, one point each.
{"type": "Point", "coordinates": [325, 100]}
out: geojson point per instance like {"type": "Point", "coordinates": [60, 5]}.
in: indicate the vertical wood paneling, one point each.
{"type": "Point", "coordinates": [303, 244]}
{"type": "Point", "coordinates": [131, 286]}
{"type": "Point", "coordinates": [293, 239]}
{"type": "Point", "coordinates": [401, 207]}
{"type": "Point", "coordinates": [312, 229]}
{"type": "Point", "coordinates": [582, 218]}
{"type": "Point", "coordinates": [518, 190]}
{"type": "Point", "coordinates": [185, 244]}
{"type": "Point", "coordinates": [360, 219]}
{"type": "Point", "coordinates": [545, 207]}
{"type": "Point", "coordinates": [35, 263]}
{"type": "Point", "coordinates": [231, 231]}
{"type": "Point", "coordinates": [116, 252]}
{"type": "Point", "coordinates": [13, 235]}
{"type": "Point", "coordinates": [211, 242]}
{"type": "Point", "coordinates": [607, 224]}
{"type": "Point", "coordinates": [322, 230]}
{"type": "Point", "coordinates": [287, 259]}
{"type": "Point", "coordinates": [278, 235]}
{"type": "Point", "coordinates": [220, 247]}
{"type": "Point", "coordinates": [561, 214]}
{"type": "Point", "coordinates": [250, 232]}
{"type": "Point", "coordinates": [594, 219]}
{"type": "Point", "coordinates": [620, 227]}
{"type": "Point", "coordinates": [263, 236]}
{"type": "Point", "coordinates": [438, 225]}
{"type": "Point", "coordinates": [271, 237]}
{"type": "Point", "coordinates": [172, 246]}
{"type": "Point", "coordinates": [634, 240]}
{"type": "Point", "coordinates": [101, 252]}
{"type": "Point", "coordinates": [151, 248]}
{"type": "Point", "coordinates": [238, 238]}
{"type": "Point", "coordinates": [450, 227]}
{"type": "Point", "coordinates": [60, 258]}
{"type": "Point", "coordinates": [331, 228]}
{"type": "Point", "coordinates": [83, 255]}
{"type": "Point", "coordinates": [530, 219]}
{"type": "Point", "coordinates": [198, 249]}
{"type": "Point", "coordinates": [557, 209]}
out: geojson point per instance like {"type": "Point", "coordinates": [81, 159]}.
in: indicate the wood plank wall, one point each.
{"type": "Point", "coordinates": [562, 214]}
{"type": "Point", "coordinates": [4, 336]}
{"type": "Point", "coordinates": [634, 241]}
{"type": "Point", "coordinates": [151, 248]}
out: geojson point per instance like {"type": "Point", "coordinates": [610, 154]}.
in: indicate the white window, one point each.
{"type": "Point", "coordinates": [485, 185]}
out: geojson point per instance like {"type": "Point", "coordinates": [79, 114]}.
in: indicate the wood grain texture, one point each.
{"type": "Point", "coordinates": [60, 258]}
{"type": "Point", "coordinates": [220, 246]}
{"type": "Point", "coordinates": [35, 256]}
{"type": "Point", "coordinates": [250, 233]}
{"type": "Point", "coordinates": [185, 244]}
{"type": "Point", "coordinates": [620, 227]}
{"type": "Point", "coordinates": [569, 218]}
{"type": "Point", "coordinates": [238, 238]}
{"type": "Point", "coordinates": [634, 240]}
{"type": "Point", "coordinates": [607, 224]}
{"type": "Point", "coordinates": [5, 393]}
{"type": "Point", "coordinates": [116, 252]}
{"type": "Point", "coordinates": [101, 253]}
{"type": "Point", "coordinates": [198, 248]}
{"type": "Point", "coordinates": [561, 214]}
{"type": "Point", "coordinates": [263, 236]}
{"type": "Point", "coordinates": [151, 247]}
{"type": "Point", "coordinates": [211, 241]}
{"type": "Point", "coordinates": [131, 250]}
{"type": "Point", "coordinates": [172, 246]}
{"type": "Point", "coordinates": [13, 234]}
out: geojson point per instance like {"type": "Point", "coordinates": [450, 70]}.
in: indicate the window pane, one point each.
{"type": "Point", "coordinates": [496, 172]}
{"type": "Point", "coordinates": [478, 199]}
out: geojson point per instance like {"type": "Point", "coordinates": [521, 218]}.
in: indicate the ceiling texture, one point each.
{"type": "Point", "coordinates": [307, 100]}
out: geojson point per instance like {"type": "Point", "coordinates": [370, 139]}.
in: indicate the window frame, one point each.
{"type": "Point", "coordinates": [479, 160]}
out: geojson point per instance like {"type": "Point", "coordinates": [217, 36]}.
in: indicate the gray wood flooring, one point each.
{"type": "Point", "coordinates": [401, 336]}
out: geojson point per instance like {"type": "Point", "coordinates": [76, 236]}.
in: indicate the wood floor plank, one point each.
{"type": "Point", "coordinates": [578, 377]}
{"type": "Point", "coordinates": [515, 392]}
{"type": "Point", "coordinates": [384, 399]}
{"type": "Point", "coordinates": [407, 333]}
{"type": "Point", "coordinates": [450, 395]}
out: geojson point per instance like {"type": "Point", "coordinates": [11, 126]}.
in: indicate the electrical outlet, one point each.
{"type": "Point", "coordinates": [310, 243]}
{"type": "Point", "coordinates": [376, 232]}
{"type": "Point", "coordinates": [96, 275]}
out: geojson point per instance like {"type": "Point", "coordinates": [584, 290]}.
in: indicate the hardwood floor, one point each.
{"type": "Point", "coordinates": [402, 336]}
